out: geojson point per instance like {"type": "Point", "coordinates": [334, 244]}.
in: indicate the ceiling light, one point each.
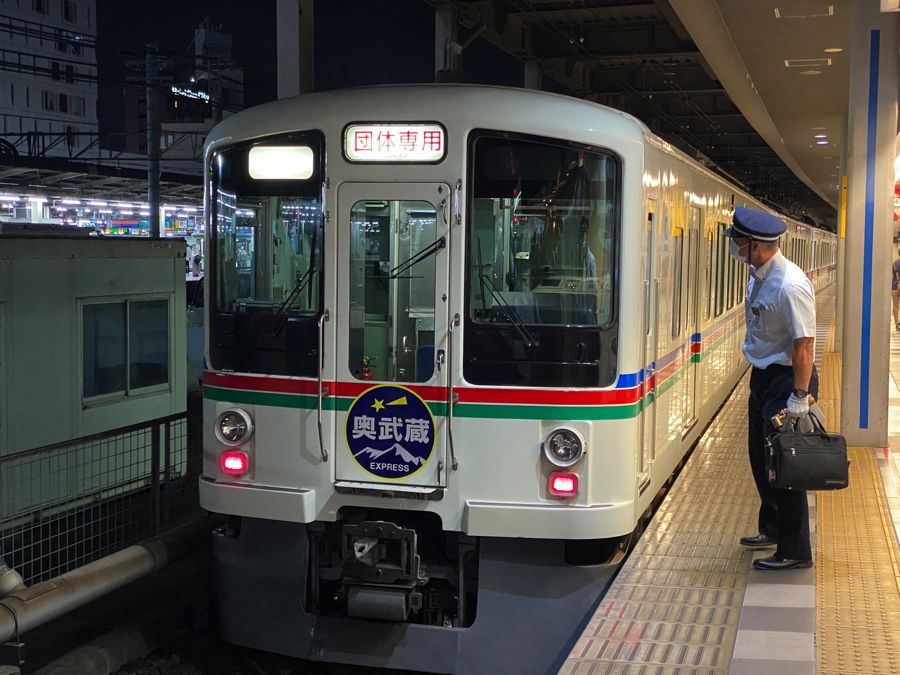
{"type": "Point", "coordinates": [810, 72]}
{"type": "Point", "coordinates": [833, 50]}
{"type": "Point", "coordinates": [807, 63]}
{"type": "Point", "coordinates": [803, 10]}
{"type": "Point", "coordinates": [821, 136]}
{"type": "Point", "coordinates": [821, 142]}
{"type": "Point", "coordinates": [819, 128]}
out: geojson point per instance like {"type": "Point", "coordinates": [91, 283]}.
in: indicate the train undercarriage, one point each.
{"type": "Point", "coordinates": [389, 589]}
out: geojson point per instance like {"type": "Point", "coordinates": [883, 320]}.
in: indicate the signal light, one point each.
{"type": "Point", "coordinates": [563, 484]}
{"type": "Point", "coordinates": [234, 462]}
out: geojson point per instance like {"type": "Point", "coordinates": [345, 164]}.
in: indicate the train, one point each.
{"type": "Point", "coordinates": [458, 339]}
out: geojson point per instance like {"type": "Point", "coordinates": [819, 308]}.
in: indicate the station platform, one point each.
{"type": "Point", "coordinates": [687, 599]}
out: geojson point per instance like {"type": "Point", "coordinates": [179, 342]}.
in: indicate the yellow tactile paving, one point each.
{"type": "Point", "coordinates": [857, 571]}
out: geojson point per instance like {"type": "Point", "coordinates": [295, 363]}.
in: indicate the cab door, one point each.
{"type": "Point", "coordinates": [391, 326]}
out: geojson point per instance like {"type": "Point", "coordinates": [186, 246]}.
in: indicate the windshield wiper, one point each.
{"type": "Point", "coordinates": [414, 260]}
{"type": "Point", "coordinates": [282, 312]}
{"type": "Point", "coordinates": [517, 323]}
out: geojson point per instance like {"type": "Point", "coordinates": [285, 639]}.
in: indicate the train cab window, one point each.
{"type": "Point", "coordinates": [541, 261]}
{"type": "Point", "coordinates": [265, 262]}
{"type": "Point", "coordinates": [392, 289]}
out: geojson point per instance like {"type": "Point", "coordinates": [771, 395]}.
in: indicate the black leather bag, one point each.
{"type": "Point", "coordinates": [815, 460]}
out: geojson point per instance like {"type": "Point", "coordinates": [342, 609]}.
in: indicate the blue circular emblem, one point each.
{"type": "Point", "coordinates": [390, 431]}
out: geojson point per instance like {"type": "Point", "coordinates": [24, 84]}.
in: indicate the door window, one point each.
{"type": "Point", "coordinates": [392, 289]}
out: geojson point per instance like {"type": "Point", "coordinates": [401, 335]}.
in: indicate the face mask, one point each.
{"type": "Point", "coordinates": [735, 252]}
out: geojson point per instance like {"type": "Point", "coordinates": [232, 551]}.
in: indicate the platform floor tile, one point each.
{"type": "Point", "coordinates": [686, 600]}
{"type": "Point", "coordinates": [675, 605]}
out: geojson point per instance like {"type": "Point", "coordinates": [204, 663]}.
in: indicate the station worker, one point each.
{"type": "Point", "coordinates": [779, 344]}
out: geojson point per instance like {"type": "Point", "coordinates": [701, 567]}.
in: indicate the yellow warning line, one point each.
{"type": "Point", "coordinates": [857, 560]}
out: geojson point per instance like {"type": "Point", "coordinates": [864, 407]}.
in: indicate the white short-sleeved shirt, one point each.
{"type": "Point", "coordinates": [780, 308]}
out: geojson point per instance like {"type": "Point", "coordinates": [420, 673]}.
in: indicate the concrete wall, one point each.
{"type": "Point", "coordinates": [44, 284]}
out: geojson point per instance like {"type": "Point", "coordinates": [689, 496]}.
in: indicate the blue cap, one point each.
{"type": "Point", "coordinates": [755, 224]}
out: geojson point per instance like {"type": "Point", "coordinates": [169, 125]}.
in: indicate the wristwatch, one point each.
{"type": "Point", "coordinates": [800, 393]}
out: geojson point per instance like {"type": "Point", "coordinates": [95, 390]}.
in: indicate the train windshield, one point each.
{"type": "Point", "coordinates": [266, 270]}
{"type": "Point", "coordinates": [541, 262]}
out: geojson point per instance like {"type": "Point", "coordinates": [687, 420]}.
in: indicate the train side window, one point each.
{"type": "Point", "coordinates": [710, 274]}
{"type": "Point", "coordinates": [720, 276]}
{"type": "Point", "coordinates": [677, 281]}
{"type": "Point", "coordinates": [693, 259]}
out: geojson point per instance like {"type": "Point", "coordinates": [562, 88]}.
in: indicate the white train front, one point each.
{"type": "Point", "coordinates": [458, 338]}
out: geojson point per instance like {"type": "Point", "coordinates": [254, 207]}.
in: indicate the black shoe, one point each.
{"type": "Point", "coordinates": [776, 563]}
{"type": "Point", "coordinates": [759, 541]}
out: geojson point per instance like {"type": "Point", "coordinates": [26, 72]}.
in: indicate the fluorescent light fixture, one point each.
{"type": "Point", "coordinates": [71, 201]}
{"type": "Point", "coordinates": [821, 142]}
{"type": "Point", "coordinates": [98, 203]}
{"type": "Point", "coordinates": [281, 162]}
{"type": "Point", "coordinates": [821, 135]}
{"type": "Point", "coordinates": [800, 9]}
{"type": "Point", "coordinates": [810, 72]}
{"type": "Point", "coordinates": [8, 198]}
{"type": "Point", "coordinates": [835, 50]}
{"type": "Point", "coordinates": [807, 63]}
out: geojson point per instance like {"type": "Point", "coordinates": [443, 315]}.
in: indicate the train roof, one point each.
{"type": "Point", "coordinates": [472, 106]}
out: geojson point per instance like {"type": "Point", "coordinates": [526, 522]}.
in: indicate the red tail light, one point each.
{"type": "Point", "coordinates": [234, 462]}
{"type": "Point", "coordinates": [563, 484]}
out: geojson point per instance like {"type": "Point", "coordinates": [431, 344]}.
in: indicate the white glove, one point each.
{"type": "Point", "coordinates": [797, 406]}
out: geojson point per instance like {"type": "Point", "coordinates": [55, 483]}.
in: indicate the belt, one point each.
{"type": "Point", "coordinates": [774, 368]}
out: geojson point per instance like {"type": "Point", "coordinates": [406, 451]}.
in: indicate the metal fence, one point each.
{"type": "Point", "coordinates": [67, 504]}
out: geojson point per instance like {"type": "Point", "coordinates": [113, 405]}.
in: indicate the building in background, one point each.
{"type": "Point", "coordinates": [194, 93]}
{"type": "Point", "coordinates": [48, 76]}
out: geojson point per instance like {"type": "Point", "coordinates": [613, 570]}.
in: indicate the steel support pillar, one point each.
{"type": "Point", "coordinates": [445, 45]}
{"type": "Point", "coordinates": [841, 235]}
{"type": "Point", "coordinates": [532, 75]}
{"type": "Point", "coordinates": [296, 48]}
{"type": "Point", "coordinates": [867, 258]}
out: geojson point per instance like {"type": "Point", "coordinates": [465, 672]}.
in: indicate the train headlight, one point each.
{"type": "Point", "coordinates": [234, 427]}
{"type": "Point", "coordinates": [563, 447]}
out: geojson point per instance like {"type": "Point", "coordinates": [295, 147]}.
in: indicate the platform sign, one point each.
{"type": "Point", "coordinates": [407, 143]}
{"type": "Point", "coordinates": [390, 431]}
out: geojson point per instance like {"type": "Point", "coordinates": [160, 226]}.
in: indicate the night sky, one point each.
{"type": "Point", "coordinates": [357, 42]}
{"type": "Point", "coordinates": [124, 28]}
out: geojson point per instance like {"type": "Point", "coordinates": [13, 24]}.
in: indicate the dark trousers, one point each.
{"type": "Point", "coordinates": [782, 513]}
